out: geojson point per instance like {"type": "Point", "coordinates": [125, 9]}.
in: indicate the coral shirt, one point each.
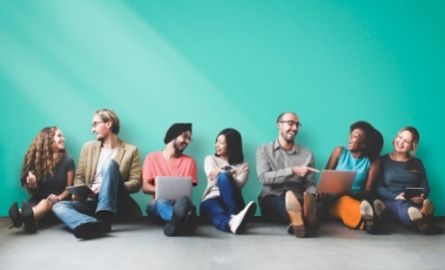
{"type": "Point", "coordinates": [156, 165]}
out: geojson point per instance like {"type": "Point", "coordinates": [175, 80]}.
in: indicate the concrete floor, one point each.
{"type": "Point", "coordinates": [142, 245]}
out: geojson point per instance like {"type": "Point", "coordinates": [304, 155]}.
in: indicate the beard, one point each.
{"type": "Point", "coordinates": [179, 149]}
{"type": "Point", "coordinates": [288, 138]}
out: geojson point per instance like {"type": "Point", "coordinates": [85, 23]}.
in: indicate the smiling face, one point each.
{"type": "Point", "coordinates": [288, 126]}
{"type": "Point", "coordinates": [221, 146]}
{"type": "Point", "coordinates": [59, 140]}
{"type": "Point", "coordinates": [403, 143]}
{"type": "Point", "coordinates": [356, 142]}
{"type": "Point", "coordinates": [181, 142]}
{"type": "Point", "coordinates": [100, 128]}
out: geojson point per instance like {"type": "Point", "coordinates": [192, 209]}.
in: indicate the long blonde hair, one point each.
{"type": "Point", "coordinates": [42, 156]}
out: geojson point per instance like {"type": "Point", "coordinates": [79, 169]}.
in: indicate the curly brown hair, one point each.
{"type": "Point", "coordinates": [41, 157]}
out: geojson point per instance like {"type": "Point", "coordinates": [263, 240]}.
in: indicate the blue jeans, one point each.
{"type": "Point", "coordinates": [112, 197]}
{"type": "Point", "coordinates": [274, 208]}
{"type": "Point", "coordinates": [398, 210]}
{"type": "Point", "coordinates": [220, 209]}
{"type": "Point", "coordinates": [160, 209]}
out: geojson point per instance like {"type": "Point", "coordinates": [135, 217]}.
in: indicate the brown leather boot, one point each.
{"type": "Point", "coordinates": [295, 214]}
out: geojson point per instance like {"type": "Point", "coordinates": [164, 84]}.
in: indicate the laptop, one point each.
{"type": "Point", "coordinates": [335, 181]}
{"type": "Point", "coordinates": [173, 187]}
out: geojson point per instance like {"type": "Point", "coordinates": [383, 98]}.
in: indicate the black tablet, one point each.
{"type": "Point", "coordinates": [80, 190]}
{"type": "Point", "coordinates": [411, 192]}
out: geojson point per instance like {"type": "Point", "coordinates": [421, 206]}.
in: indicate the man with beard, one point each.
{"type": "Point", "coordinates": [285, 169]}
{"type": "Point", "coordinates": [112, 170]}
{"type": "Point", "coordinates": [179, 215]}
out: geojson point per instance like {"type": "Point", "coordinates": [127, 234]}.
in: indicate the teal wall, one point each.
{"type": "Point", "coordinates": [221, 64]}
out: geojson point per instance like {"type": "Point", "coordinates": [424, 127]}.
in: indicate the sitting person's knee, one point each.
{"type": "Point", "coordinates": [110, 165]}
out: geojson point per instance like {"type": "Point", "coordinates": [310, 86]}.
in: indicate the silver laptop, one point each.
{"type": "Point", "coordinates": [173, 187]}
{"type": "Point", "coordinates": [335, 181]}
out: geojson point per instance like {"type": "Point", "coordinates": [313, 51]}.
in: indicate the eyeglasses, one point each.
{"type": "Point", "coordinates": [292, 123]}
{"type": "Point", "coordinates": [95, 123]}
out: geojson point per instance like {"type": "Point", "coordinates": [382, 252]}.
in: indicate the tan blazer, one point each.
{"type": "Point", "coordinates": [127, 157]}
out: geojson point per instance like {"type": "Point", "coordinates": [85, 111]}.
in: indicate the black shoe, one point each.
{"type": "Point", "coordinates": [88, 230]}
{"type": "Point", "coordinates": [28, 218]}
{"type": "Point", "coordinates": [428, 229]}
{"type": "Point", "coordinates": [175, 225]}
{"type": "Point", "coordinates": [191, 221]}
{"type": "Point", "coordinates": [16, 217]}
{"type": "Point", "coordinates": [105, 219]}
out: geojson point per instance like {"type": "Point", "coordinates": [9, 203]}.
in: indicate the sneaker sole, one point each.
{"type": "Point", "coordinates": [367, 213]}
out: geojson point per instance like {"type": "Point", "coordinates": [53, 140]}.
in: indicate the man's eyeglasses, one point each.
{"type": "Point", "coordinates": [95, 123]}
{"type": "Point", "coordinates": [292, 123]}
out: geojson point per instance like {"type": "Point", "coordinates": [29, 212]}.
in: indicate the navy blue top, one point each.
{"type": "Point", "coordinates": [396, 176]}
{"type": "Point", "coordinates": [55, 183]}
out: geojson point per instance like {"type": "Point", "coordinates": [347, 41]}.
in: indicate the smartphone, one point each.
{"type": "Point", "coordinates": [227, 168]}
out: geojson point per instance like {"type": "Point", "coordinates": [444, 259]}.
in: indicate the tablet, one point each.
{"type": "Point", "coordinates": [411, 192]}
{"type": "Point", "coordinates": [79, 190]}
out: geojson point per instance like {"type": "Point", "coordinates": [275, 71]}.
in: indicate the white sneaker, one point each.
{"type": "Point", "coordinates": [237, 221]}
{"type": "Point", "coordinates": [414, 214]}
{"type": "Point", "coordinates": [379, 207]}
{"type": "Point", "coordinates": [367, 214]}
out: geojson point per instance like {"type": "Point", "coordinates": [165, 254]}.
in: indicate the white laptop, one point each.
{"type": "Point", "coordinates": [335, 181]}
{"type": "Point", "coordinates": [173, 187]}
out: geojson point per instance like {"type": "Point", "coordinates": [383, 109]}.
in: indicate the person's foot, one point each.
{"type": "Point", "coordinates": [427, 208]}
{"type": "Point", "coordinates": [15, 215]}
{"type": "Point", "coordinates": [379, 207]}
{"type": "Point", "coordinates": [28, 218]}
{"type": "Point", "coordinates": [237, 222]}
{"type": "Point", "coordinates": [294, 211]}
{"type": "Point", "coordinates": [414, 214]}
{"type": "Point", "coordinates": [89, 230]}
{"type": "Point", "coordinates": [105, 219]}
{"type": "Point", "coordinates": [191, 220]}
{"type": "Point", "coordinates": [310, 211]}
{"type": "Point", "coordinates": [176, 224]}
{"type": "Point", "coordinates": [368, 216]}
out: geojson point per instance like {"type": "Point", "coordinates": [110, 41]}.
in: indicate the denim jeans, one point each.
{"type": "Point", "coordinates": [220, 209]}
{"type": "Point", "coordinates": [160, 209]}
{"type": "Point", "coordinates": [398, 210]}
{"type": "Point", "coordinates": [113, 197]}
{"type": "Point", "coordinates": [274, 208]}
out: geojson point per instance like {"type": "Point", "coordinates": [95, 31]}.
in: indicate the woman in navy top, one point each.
{"type": "Point", "coordinates": [400, 170]}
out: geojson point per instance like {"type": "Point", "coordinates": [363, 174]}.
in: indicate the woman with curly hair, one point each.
{"type": "Point", "coordinates": [46, 171]}
{"type": "Point", "coordinates": [361, 155]}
